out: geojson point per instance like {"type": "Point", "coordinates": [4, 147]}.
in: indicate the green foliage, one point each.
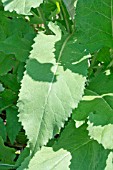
{"type": "Point", "coordinates": [56, 84]}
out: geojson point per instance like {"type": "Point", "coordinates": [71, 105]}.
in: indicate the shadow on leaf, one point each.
{"type": "Point", "coordinates": [40, 71]}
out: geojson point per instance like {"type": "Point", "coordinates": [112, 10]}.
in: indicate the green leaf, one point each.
{"type": "Point", "coordinates": [25, 163]}
{"type": "Point", "coordinates": [6, 63]}
{"type": "Point", "coordinates": [94, 21]}
{"type": "Point", "coordinates": [10, 81]}
{"type": "Point", "coordinates": [2, 130]}
{"type": "Point", "coordinates": [74, 147]}
{"type": "Point", "coordinates": [24, 154]}
{"type": "Point", "coordinates": [16, 40]}
{"type": "Point", "coordinates": [7, 155]}
{"type": "Point", "coordinates": [12, 124]}
{"type": "Point", "coordinates": [97, 102]}
{"type": "Point", "coordinates": [20, 71]}
{"type": "Point", "coordinates": [7, 99]}
{"type": "Point", "coordinates": [22, 7]}
{"type": "Point", "coordinates": [104, 55]}
{"type": "Point", "coordinates": [50, 89]}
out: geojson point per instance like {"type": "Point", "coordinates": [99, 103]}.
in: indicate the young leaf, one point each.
{"type": "Point", "coordinates": [50, 91]}
{"type": "Point", "coordinates": [21, 7]}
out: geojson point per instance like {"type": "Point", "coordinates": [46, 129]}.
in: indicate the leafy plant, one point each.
{"type": "Point", "coordinates": [56, 79]}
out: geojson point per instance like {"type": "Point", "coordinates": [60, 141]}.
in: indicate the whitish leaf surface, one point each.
{"type": "Point", "coordinates": [97, 102]}
{"type": "Point", "coordinates": [95, 21]}
{"type": "Point", "coordinates": [21, 6]}
{"type": "Point", "coordinates": [74, 150]}
{"type": "Point", "coordinates": [102, 134]}
{"type": "Point", "coordinates": [51, 88]}
{"type": "Point", "coordinates": [47, 159]}
{"type": "Point", "coordinates": [109, 162]}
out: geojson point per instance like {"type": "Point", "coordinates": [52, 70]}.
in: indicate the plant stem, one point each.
{"type": "Point", "coordinates": [65, 17]}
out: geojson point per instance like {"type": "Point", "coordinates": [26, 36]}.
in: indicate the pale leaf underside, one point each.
{"type": "Point", "coordinates": [21, 6]}
{"type": "Point", "coordinates": [49, 92]}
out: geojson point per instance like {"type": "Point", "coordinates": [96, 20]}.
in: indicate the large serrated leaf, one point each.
{"type": "Point", "coordinates": [97, 102]}
{"type": "Point", "coordinates": [74, 150]}
{"type": "Point", "coordinates": [21, 6]}
{"type": "Point", "coordinates": [50, 90]}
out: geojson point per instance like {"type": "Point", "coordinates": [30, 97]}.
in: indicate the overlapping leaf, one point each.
{"type": "Point", "coordinates": [21, 6]}
{"type": "Point", "coordinates": [51, 89]}
{"type": "Point", "coordinates": [78, 150]}
{"type": "Point", "coordinates": [97, 102]}
{"type": "Point", "coordinates": [102, 134]}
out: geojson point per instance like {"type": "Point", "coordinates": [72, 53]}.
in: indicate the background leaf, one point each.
{"type": "Point", "coordinates": [94, 21]}
{"type": "Point", "coordinates": [12, 124]}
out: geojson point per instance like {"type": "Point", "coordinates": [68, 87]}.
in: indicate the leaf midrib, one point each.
{"type": "Point", "coordinates": [50, 87]}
